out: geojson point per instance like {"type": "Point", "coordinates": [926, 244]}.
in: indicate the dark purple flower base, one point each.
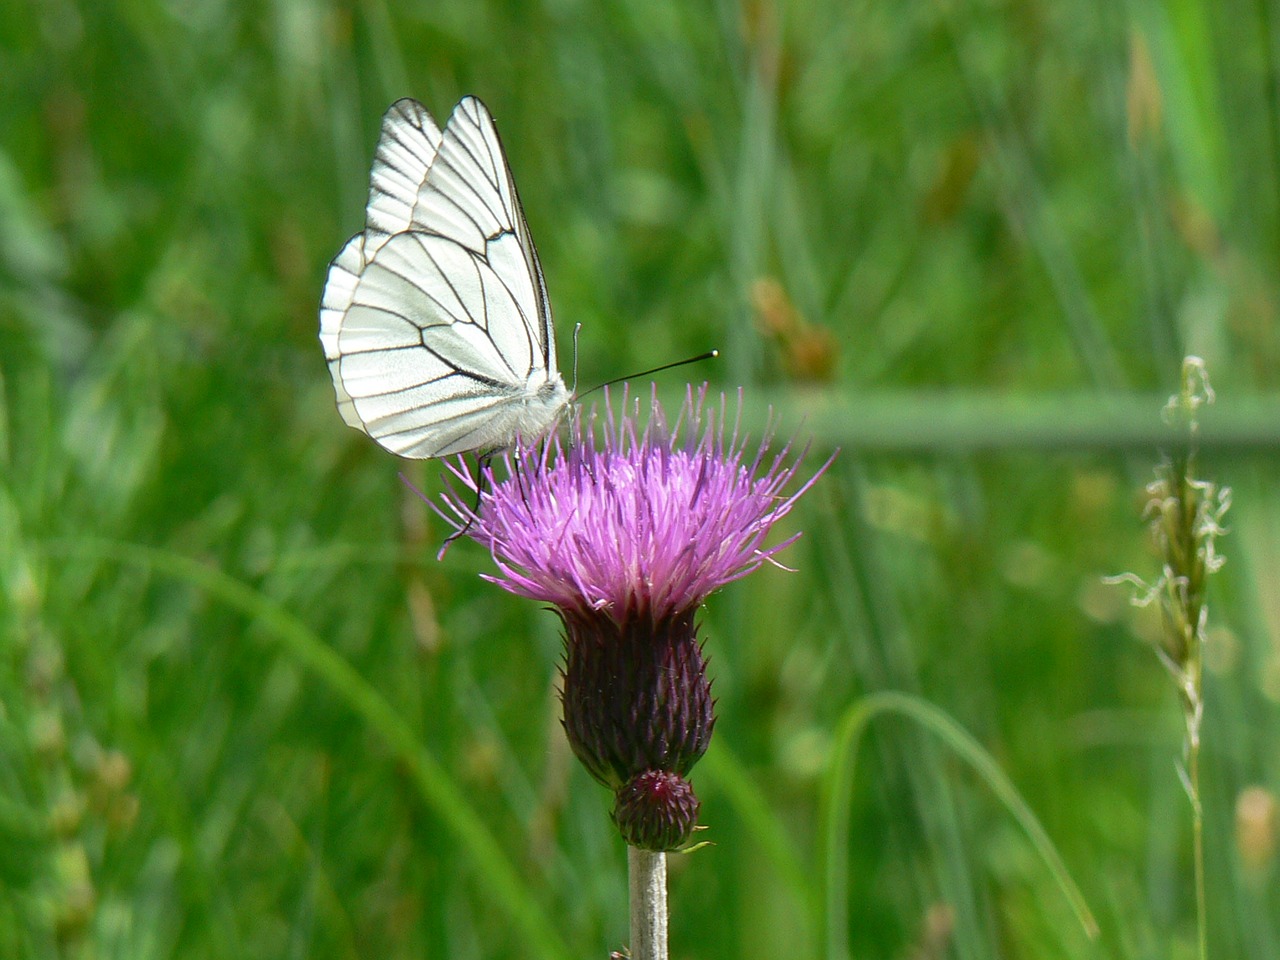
{"type": "Point", "coordinates": [638, 712]}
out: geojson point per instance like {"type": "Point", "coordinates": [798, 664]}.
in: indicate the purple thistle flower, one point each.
{"type": "Point", "coordinates": [625, 533]}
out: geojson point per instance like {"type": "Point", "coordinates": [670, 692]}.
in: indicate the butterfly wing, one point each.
{"type": "Point", "coordinates": [471, 194]}
{"type": "Point", "coordinates": [407, 148]}
{"type": "Point", "coordinates": [435, 319]}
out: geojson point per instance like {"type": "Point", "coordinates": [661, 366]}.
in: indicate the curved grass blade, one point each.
{"type": "Point", "coordinates": [833, 821]}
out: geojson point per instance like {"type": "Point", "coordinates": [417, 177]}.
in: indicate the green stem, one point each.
{"type": "Point", "coordinates": [1197, 822]}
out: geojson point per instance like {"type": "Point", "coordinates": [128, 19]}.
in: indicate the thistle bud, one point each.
{"type": "Point", "coordinates": [656, 810]}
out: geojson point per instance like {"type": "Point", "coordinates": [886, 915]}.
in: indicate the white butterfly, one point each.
{"type": "Point", "coordinates": [435, 319]}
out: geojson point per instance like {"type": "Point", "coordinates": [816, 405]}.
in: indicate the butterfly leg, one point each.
{"type": "Point", "coordinates": [519, 475]}
{"type": "Point", "coordinates": [482, 471]}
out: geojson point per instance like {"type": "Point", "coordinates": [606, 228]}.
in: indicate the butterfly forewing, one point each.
{"type": "Point", "coordinates": [467, 195]}
{"type": "Point", "coordinates": [407, 147]}
{"type": "Point", "coordinates": [435, 319]}
{"type": "Point", "coordinates": [470, 194]}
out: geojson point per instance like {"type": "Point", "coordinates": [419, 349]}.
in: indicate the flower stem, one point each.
{"type": "Point", "coordinates": [647, 871]}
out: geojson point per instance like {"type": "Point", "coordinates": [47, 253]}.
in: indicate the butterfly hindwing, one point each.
{"type": "Point", "coordinates": [339, 293]}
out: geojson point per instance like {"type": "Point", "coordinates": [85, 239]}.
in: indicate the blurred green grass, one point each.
{"type": "Point", "coordinates": [990, 231]}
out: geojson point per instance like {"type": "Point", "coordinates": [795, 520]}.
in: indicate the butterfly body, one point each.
{"type": "Point", "coordinates": [435, 319]}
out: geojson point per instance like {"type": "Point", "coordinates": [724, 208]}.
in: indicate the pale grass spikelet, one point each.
{"type": "Point", "coordinates": [1185, 516]}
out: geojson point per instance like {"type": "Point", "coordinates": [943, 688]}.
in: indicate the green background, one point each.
{"type": "Point", "coordinates": [244, 712]}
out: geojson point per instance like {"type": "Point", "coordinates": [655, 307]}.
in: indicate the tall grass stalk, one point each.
{"type": "Point", "coordinates": [1186, 519]}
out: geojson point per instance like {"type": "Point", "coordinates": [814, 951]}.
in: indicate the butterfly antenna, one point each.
{"type": "Point", "coordinates": [577, 328]}
{"type": "Point", "coordinates": [709, 355]}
